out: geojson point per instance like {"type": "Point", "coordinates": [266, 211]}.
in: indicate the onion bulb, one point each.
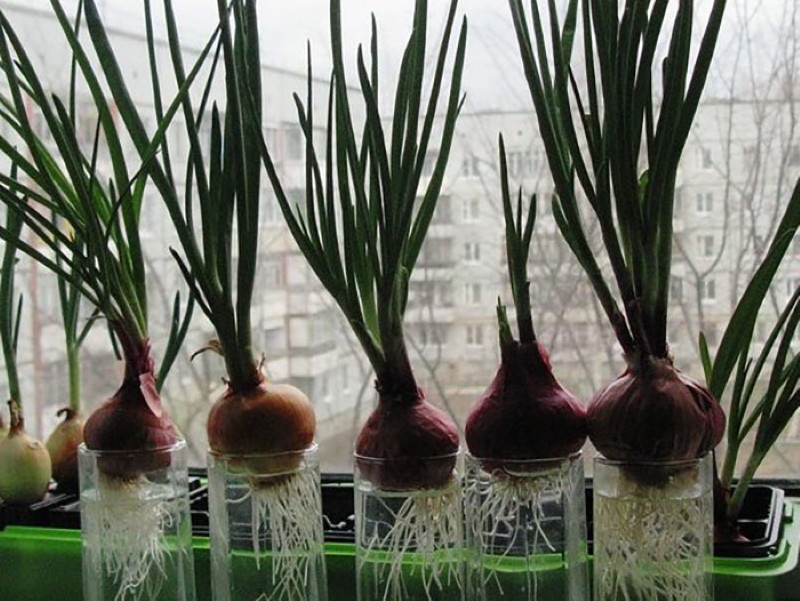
{"type": "Point", "coordinates": [62, 444]}
{"type": "Point", "coordinates": [525, 413]}
{"type": "Point", "coordinates": [25, 467]}
{"type": "Point", "coordinates": [268, 419]}
{"type": "Point", "coordinates": [407, 445]}
{"type": "Point", "coordinates": [655, 413]}
{"type": "Point", "coordinates": [133, 423]}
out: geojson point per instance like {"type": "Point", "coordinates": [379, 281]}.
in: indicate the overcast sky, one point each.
{"type": "Point", "coordinates": [493, 77]}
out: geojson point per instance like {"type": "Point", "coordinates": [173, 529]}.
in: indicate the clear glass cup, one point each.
{"type": "Point", "coordinates": [526, 529]}
{"type": "Point", "coordinates": [653, 530]}
{"type": "Point", "coordinates": [266, 527]}
{"type": "Point", "coordinates": [409, 538]}
{"type": "Point", "coordinates": [135, 525]}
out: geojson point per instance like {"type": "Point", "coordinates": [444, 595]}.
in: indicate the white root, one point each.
{"type": "Point", "coordinates": [655, 545]}
{"type": "Point", "coordinates": [505, 515]}
{"type": "Point", "coordinates": [423, 542]}
{"type": "Point", "coordinates": [287, 512]}
{"type": "Point", "coordinates": [128, 524]}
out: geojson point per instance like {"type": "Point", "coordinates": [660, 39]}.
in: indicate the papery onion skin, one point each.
{"type": "Point", "coordinates": [407, 445]}
{"type": "Point", "coordinates": [127, 423]}
{"type": "Point", "coordinates": [264, 420]}
{"type": "Point", "coordinates": [133, 422]}
{"type": "Point", "coordinates": [656, 414]}
{"type": "Point", "coordinates": [525, 413]}
{"type": "Point", "coordinates": [25, 468]}
{"type": "Point", "coordinates": [62, 445]}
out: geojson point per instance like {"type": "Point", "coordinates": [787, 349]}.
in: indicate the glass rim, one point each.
{"type": "Point", "coordinates": [532, 461]}
{"type": "Point", "coordinates": [367, 458]}
{"type": "Point", "coordinates": [667, 463]}
{"type": "Point", "coordinates": [176, 446]}
{"type": "Point", "coordinates": [312, 448]}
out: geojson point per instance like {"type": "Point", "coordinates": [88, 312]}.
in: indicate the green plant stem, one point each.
{"type": "Point", "coordinates": [363, 223]}
{"type": "Point", "coordinates": [615, 117]}
{"type": "Point", "coordinates": [729, 463]}
{"type": "Point", "coordinates": [74, 368]}
{"type": "Point", "coordinates": [226, 183]}
{"type": "Point", "coordinates": [518, 244]}
{"type": "Point", "coordinates": [737, 497]}
{"type": "Point", "coordinates": [102, 257]}
{"type": "Point", "coordinates": [10, 309]}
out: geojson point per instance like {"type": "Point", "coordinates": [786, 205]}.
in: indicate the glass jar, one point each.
{"type": "Point", "coordinates": [409, 543]}
{"type": "Point", "coordinates": [653, 530]}
{"type": "Point", "coordinates": [135, 525]}
{"type": "Point", "coordinates": [526, 529]}
{"type": "Point", "coordinates": [266, 526]}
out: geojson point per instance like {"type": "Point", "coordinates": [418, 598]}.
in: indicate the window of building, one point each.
{"type": "Point", "coordinates": [472, 294]}
{"type": "Point", "coordinates": [708, 290]}
{"type": "Point", "coordinates": [274, 339]}
{"type": "Point", "coordinates": [272, 272]}
{"type": "Point", "coordinates": [443, 214]}
{"type": "Point", "coordinates": [293, 143]}
{"type": "Point", "coordinates": [676, 288]}
{"type": "Point", "coordinates": [470, 166]}
{"type": "Point", "coordinates": [711, 332]}
{"type": "Point", "coordinates": [436, 252]}
{"type": "Point", "coordinates": [472, 210]}
{"type": "Point", "coordinates": [794, 156]}
{"type": "Point", "coordinates": [678, 200]}
{"type": "Point", "coordinates": [474, 335]}
{"type": "Point", "coordinates": [520, 162]}
{"type": "Point", "coordinates": [472, 252]}
{"type": "Point", "coordinates": [705, 202]}
{"type": "Point", "coordinates": [431, 334]}
{"type": "Point", "coordinates": [323, 387]}
{"type": "Point", "coordinates": [706, 158]}
{"type": "Point", "coordinates": [705, 245]}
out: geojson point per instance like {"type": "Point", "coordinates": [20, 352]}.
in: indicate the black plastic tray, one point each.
{"type": "Point", "coordinates": [759, 522]}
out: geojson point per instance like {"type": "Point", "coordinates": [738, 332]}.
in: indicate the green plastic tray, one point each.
{"type": "Point", "coordinates": [43, 564]}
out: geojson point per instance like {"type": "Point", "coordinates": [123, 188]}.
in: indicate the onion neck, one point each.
{"type": "Point", "coordinates": [648, 366]}
{"type": "Point", "coordinates": [246, 380]}
{"type": "Point", "coordinates": [17, 423]}
{"type": "Point", "coordinates": [526, 353]}
{"type": "Point", "coordinates": [395, 380]}
{"type": "Point", "coordinates": [522, 303]}
{"type": "Point", "coordinates": [135, 351]}
{"type": "Point", "coordinates": [244, 376]}
{"type": "Point", "coordinates": [68, 412]}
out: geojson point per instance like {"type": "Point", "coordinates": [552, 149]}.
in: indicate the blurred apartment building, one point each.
{"type": "Point", "coordinates": [738, 170]}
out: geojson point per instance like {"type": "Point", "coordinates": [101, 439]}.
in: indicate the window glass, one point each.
{"type": "Point", "coordinates": [738, 168]}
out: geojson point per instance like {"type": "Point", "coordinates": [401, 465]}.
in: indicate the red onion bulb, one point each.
{"type": "Point", "coordinates": [407, 445]}
{"type": "Point", "coordinates": [525, 413]}
{"type": "Point", "coordinates": [660, 415]}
